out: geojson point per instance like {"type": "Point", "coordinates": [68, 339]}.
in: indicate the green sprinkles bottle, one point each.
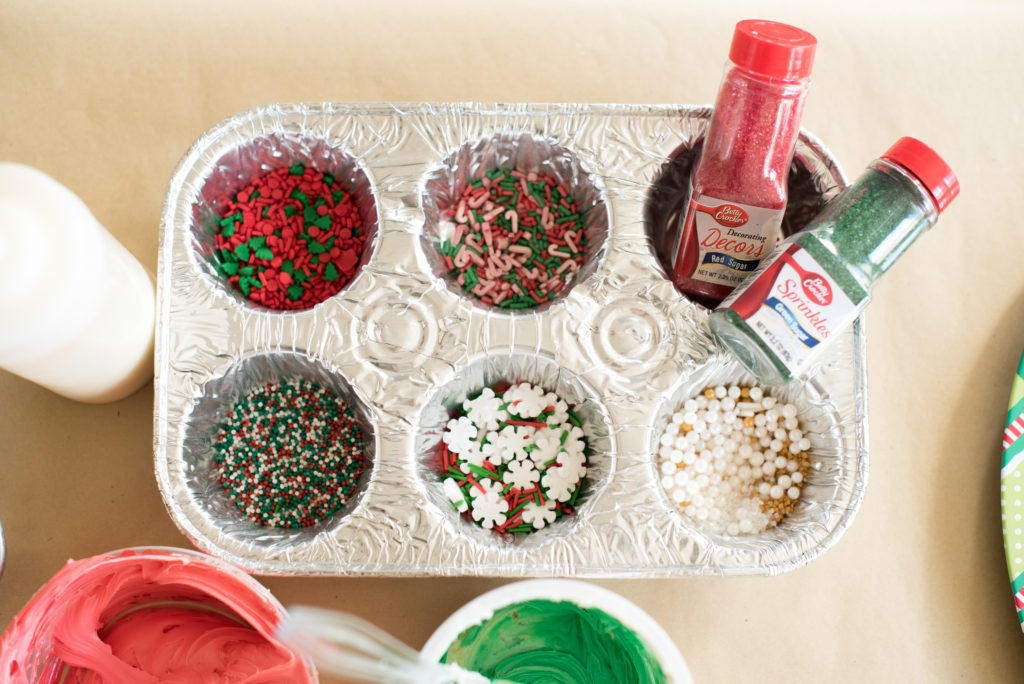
{"type": "Point", "coordinates": [818, 281]}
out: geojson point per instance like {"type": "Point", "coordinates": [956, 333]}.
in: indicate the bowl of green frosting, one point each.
{"type": "Point", "coordinates": [558, 632]}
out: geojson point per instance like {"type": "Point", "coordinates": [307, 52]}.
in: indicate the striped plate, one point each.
{"type": "Point", "coordinates": [1011, 490]}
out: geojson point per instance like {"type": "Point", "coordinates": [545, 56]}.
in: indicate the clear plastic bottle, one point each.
{"type": "Point", "coordinates": [76, 308]}
{"type": "Point", "coordinates": [738, 189]}
{"type": "Point", "coordinates": [818, 281]}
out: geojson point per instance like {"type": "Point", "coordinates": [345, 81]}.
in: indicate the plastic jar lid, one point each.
{"type": "Point", "coordinates": [772, 49]}
{"type": "Point", "coordinates": [928, 167]}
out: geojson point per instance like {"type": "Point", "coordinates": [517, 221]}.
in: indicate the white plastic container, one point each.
{"type": "Point", "coordinates": [76, 308]}
{"type": "Point", "coordinates": [582, 594]}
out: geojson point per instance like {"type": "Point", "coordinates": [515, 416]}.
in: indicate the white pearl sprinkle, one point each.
{"type": "Point", "coordinates": [719, 462]}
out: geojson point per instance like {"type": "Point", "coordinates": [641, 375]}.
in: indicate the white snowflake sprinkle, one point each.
{"type": "Point", "coordinates": [561, 414]}
{"type": "Point", "coordinates": [485, 410]}
{"type": "Point", "coordinates": [572, 465]}
{"type": "Point", "coordinates": [539, 516]}
{"type": "Point", "coordinates": [489, 507]}
{"type": "Point", "coordinates": [575, 443]}
{"type": "Point", "coordinates": [458, 434]}
{"type": "Point", "coordinates": [548, 443]}
{"type": "Point", "coordinates": [526, 400]}
{"type": "Point", "coordinates": [557, 483]}
{"type": "Point", "coordinates": [471, 454]}
{"type": "Point", "coordinates": [509, 444]}
{"type": "Point", "coordinates": [521, 474]}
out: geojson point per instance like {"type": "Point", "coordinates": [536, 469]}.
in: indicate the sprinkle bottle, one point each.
{"type": "Point", "coordinates": [818, 281]}
{"type": "Point", "coordinates": [738, 189]}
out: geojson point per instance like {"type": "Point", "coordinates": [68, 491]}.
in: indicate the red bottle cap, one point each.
{"type": "Point", "coordinates": [928, 167]}
{"type": "Point", "coordinates": [772, 49]}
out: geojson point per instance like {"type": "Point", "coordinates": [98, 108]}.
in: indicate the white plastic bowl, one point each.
{"type": "Point", "coordinates": [583, 595]}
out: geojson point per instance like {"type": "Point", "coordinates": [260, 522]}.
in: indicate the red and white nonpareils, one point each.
{"type": "Point", "coordinates": [289, 453]}
{"type": "Point", "coordinates": [734, 459]}
{"type": "Point", "coordinates": [513, 461]}
{"type": "Point", "coordinates": [513, 240]}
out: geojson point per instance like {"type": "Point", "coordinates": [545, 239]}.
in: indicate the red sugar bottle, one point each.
{"type": "Point", "coordinates": [738, 188]}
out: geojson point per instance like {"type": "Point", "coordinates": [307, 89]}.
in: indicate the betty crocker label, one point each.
{"type": "Point", "coordinates": [728, 215]}
{"type": "Point", "coordinates": [731, 238]}
{"type": "Point", "coordinates": [793, 305]}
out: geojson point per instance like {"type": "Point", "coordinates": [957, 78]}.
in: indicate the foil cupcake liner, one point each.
{"type": "Point", "coordinates": [402, 343]}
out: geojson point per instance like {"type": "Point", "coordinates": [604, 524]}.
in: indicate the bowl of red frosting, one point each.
{"type": "Point", "coordinates": [149, 615]}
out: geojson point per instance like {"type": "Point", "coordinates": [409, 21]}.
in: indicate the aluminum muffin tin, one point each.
{"type": "Point", "coordinates": [402, 343]}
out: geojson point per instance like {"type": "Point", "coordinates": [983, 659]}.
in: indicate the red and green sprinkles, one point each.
{"type": "Point", "coordinates": [513, 240]}
{"type": "Point", "coordinates": [513, 460]}
{"type": "Point", "coordinates": [290, 239]}
{"type": "Point", "coordinates": [289, 454]}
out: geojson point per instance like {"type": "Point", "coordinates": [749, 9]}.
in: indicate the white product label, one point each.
{"type": "Point", "coordinates": [732, 238]}
{"type": "Point", "coordinates": [794, 306]}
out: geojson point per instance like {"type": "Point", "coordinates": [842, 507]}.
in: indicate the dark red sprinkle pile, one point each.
{"type": "Point", "coordinates": [289, 454]}
{"type": "Point", "coordinates": [513, 240]}
{"type": "Point", "coordinates": [290, 239]}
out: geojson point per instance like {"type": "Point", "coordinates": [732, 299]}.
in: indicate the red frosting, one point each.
{"type": "Point", "coordinates": [149, 616]}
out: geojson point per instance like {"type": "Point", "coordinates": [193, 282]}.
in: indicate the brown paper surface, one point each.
{"type": "Point", "coordinates": [107, 95]}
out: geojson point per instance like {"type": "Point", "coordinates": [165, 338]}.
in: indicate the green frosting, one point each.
{"type": "Point", "coordinates": [550, 642]}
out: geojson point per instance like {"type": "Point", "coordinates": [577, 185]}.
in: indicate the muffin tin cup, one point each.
{"type": "Point", "coordinates": [444, 184]}
{"type": "Point", "coordinates": [622, 338]}
{"type": "Point", "coordinates": [487, 371]}
{"type": "Point", "coordinates": [239, 165]}
{"type": "Point", "coordinates": [826, 503]}
{"type": "Point", "coordinates": [218, 396]}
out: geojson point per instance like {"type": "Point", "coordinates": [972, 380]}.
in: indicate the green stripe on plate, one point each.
{"type": "Point", "coordinates": [1018, 583]}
